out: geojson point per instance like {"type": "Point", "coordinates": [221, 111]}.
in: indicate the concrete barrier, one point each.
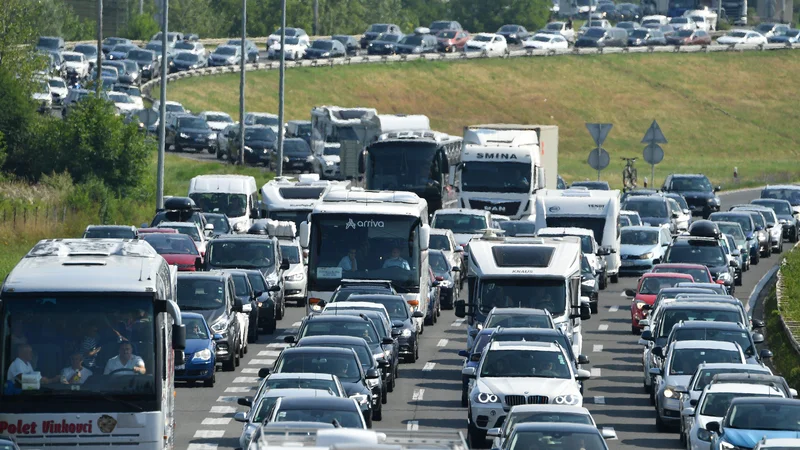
{"type": "Point", "coordinates": [791, 329]}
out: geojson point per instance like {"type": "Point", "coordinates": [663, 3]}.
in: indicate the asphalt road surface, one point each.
{"type": "Point", "coordinates": [427, 396]}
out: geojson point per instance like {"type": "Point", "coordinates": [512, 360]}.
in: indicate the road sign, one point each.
{"type": "Point", "coordinates": [599, 132]}
{"type": "Point", "coordinates": [599, 159]}
{"type": "Point", "coordinates": [653, 154]}
{"type": "Point", "coordinates": [654, 135]}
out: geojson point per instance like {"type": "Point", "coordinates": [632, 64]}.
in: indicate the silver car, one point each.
{"type": "Point", "coordinates": [774, 227]}
{"type": "Point", "coordinates": [294, 279]}
{"type": "Point", "coordinates": [444, 240]}
{"type": "Point", "coordinates": [544, 413]}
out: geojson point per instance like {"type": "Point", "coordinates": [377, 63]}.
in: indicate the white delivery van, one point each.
{"type": "Point", "coordinates": [236, 196]}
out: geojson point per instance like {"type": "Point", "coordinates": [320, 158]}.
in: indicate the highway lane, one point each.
{"type": "Point", "coordinates": [427, 395]}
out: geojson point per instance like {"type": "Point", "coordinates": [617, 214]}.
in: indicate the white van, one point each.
{"type": "Point", "coordinates": [236, 196]}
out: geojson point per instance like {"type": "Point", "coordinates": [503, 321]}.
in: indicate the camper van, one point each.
{"type": "Point", "coordinates": [285, 198]}
{"type": "Point", "coordinates": [236, 196]}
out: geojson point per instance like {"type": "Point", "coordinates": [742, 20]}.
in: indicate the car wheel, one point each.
{"type": "Point", "coordinates": [244, 349]}
{"type": "Point", "coordinates": [280, 311]}
{"type": "Point", "coordinates": [212, 150]}
{"type": "Point", "coordinates": [660, 425]}
{"type": "Point", "coordinates": [476, 436]}
{"type": "Point", "coordinates": [593, 307]}
{"type": "Point", "coordinates": [428, 320]}
{"type": "Point", "coordinates": [210, 382]}
{"type": "Point", "coordinates": [464, 395]}
{"type": "Point", "coordinates": [270, 328]}
{"type": "Point", "coordinates": [368, 420]}
{"type": "Point", "coordinates": [738, 280]}
{"type": "Point", "coordinates": [396, 373]}
{"type": "Point", "coordinates": [377, 414]}
{"type": "Point", "coordinates": [230, 364]}
{"type": "Point", "coordinates": [635, 329]}
{"type": "Point", "coordinates": [416, 350]}
{"type": "Point", "coordinates": [755, 258]}
{"type": "Point", "coordinates": [385, 395]}
{"type": "Point", "coordinates": [615, 278]}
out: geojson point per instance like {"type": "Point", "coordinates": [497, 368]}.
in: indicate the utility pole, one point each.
{"type": "Point", "coordinates": [162, 107]}
{"type": "Point", "coordinates": [242, 62]}
{"type": "Point", "coordinates": [141, 7]}
{"type": "Point", "coordinates": [279, 165]}
{"type": "Point", "coordinates": [97, 78]}
{"type": "Point", "coordinates": [315, 31]}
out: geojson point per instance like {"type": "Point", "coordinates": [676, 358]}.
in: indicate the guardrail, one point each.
{"type": "Point", "coordinates": [790, 328]}
{"type": "Point", "coordinates": [346, 61]}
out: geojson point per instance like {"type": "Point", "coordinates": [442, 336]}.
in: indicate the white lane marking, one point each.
{"type": "Point", "coordinates": [227, 399]}
{"type": "Point", "coordinates": [202, 447]}
{"type": "Point", "coordinates": [223, 410]}
{"type": "Point", "coordinates": [418, 394]}
{"type": "Point", "coordinates": [458, 323]}
{"type": "Point", "coordinates": [613, 308]}
{"type": "Point", "coordinates": [611, 429]}
{"type": "Point", "coordinates": [428, 366]}
{"type": "Point", "coordinates": [209, 434]}
{"type": "Point", "coordinates": [412, 425]}
{"type": "Point", "coordinates": [602, 327]}
{"type": "Point", "coordinates": [269, 353]}
{"type": "Point", "coordinates": [262, 362]}
{"type": "Point", "coordinates": [599, 400]}
{"type": "Point", "coordinates": [597, 348]}
{"type": "Point", "coordinates": [442, 343]}
{"type": "Point", "coordinates": [251, 370]}
{"type": "Point", "coordinates": [296, 324]}
{"type": "Point", "coordinates": [240, 389]}
{"type": "Point", "coordinates": [595, 372]}
{"type": "Point", "coordinates": [247, 380]}
{"type": "Point", "coordinates": [622, 294]}
{"type": "Point", "coordinates": [216, 421]}
{"type": "Point", "coordinates": [278, 345]}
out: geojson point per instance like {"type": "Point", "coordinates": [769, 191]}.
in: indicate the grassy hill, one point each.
{"type": "Point", "coordinates": [718, 110]}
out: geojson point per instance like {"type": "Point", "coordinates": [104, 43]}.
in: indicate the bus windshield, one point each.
{"type": "Point", "coordinates": [523, 293]}
{"type": "Point", "coordinates": [364, 247]}
{"type": "Point", "coordinates": [505, 177]}
{"type": "Point", "coordinates": [403, 167]}
{"type": "Point", "coordinates": [232, 205]}
{"type": "Point", "coordinates": [77, 347]}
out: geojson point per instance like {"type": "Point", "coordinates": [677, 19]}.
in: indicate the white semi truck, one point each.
{"type": "Point", "coordinates": [504, 165]}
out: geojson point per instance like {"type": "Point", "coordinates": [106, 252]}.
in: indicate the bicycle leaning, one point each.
{"type": "Point", "coordinates": [629, 174]}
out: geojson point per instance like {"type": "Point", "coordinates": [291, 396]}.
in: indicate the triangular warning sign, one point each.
{"type": "Point", "coordinates": [654, 135]}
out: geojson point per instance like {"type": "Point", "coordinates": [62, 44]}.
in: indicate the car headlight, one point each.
{"type": "Point", "coordinates": [373, 382]}
{"type": "Point", "coordinates": [647, 255]}
{"type": "Point", "coordinates": [588, 283]}
{"type": "Point", "coordinates": [286, 159]}
{"type": "Point", "coordinates": [202, 355]}
{"type": "Point", "coordinates": [295, 277]}
{"type": "Point", "coordinates": [326, 54]}
{"type": "Point", "coordinates": [360, 398]}
{"type": "Point", "coordinates": [446, 284]}
{"type": "Point", "coordinates": [762, 237]}
{"type": "Point", "coordinates": [406, 333]}
{"type": "Point", "coordinates": [724, 276]}
{"type": "Point", "coordinates": [248, 149]}
{"type": "Point", "coordinates": [309, 158]}
{"type": "Point", "coordinates": [218, 326]}
{"type": "Point", "coordinates": [379, 356]}
{"type": "Point", "coordinates": [728, 446]}
{"type": "Point", "coordinates": [703, 435]}
{"type": "Point", "coordinates": [328, 163]}
{"type": "Point", "coordinates": [669, 392]}
{"type": "Point", "coordinates": [485, 398]}
{"type": "Point", "coordinates": [639, 305]}
{"type": "Point", "coordinates": [568, 399]}
{"type": "Point", "coordinates": [316, 308]}
{"type": "Point", "coordinates": [212, 136]}
{"type": "Point", "coordinates": [184, 135]}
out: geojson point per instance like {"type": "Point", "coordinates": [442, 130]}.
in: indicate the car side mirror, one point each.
{"type": "Point", "coordinates": [396, 333]}
{"type": "Point", "coordinates": [237, 305]}
{"type": "Point", "coordinates": [264, 372]}
{"type": "Point", "coordinates": [240, 416]}
{"type": "Point", "coordinates": [456, 269]}
{"type": "Point", "coordinates": [582, 375]}
{"type": "Point", "coordinates": [387, 341]}
{"type": "Point", "coordinates": [255, 213]}
{"type": "Point", "coordinates": [289, 339]}
{"type": "Point", "coordinates": [245, 401]}
{"type": "Point", "coordinates": [494, 432]}
{"type": "Point", "coordinates": [461, 249]}
{"type": "Point", "coordinates": [765, 353]}
{"type": "Point", "coordinates": [733, 263]}
{"type": "Point", "coordinates": [583, 359]}
{"type": "Point", "coordinates": [285, 264]}
{"type": "Point", "coordinates": [463, 353]}
{"type": "Point", "coordinates": [275, 288]}
{"type": "Point", "coordinates": [647, 335]}
{"type": "Point", "coordinates": [384, 364]}
{"type": "Point", "coordinates": [687, 412]}
{"type": "Point", "coordinates": [468, 372]}
{"type": "Point", "coordinates": [655, 372]}
{"type": "Point", "coordinates": [586, 312]}
{"type": "Point", "coordinates": [418, 314]}
{"type": "Point", "coordinates": [608, 434]}
{"type": "Point", "coordinates": [658, 351]}
{"type": "Point", "coordinates": [373, 374]}
{"type": "Point", "coordinates": [757, 323]}
{"type": "Point", "coordinates": [693, 402]}
{"type": "Point", "coordinates": [675, 215]}
{"type": "Point", "coordinates": [630, 293]}
{"type": "Point", "coordinates": [209, 227]}
{"type": "Point", "coordinates": [712, 427]}
{"type": "Point", "coordinates": [759, 228]}
{"type": "Point", "coordinates": [257, 294]}
{"type": "Point", "coordinates": [687, 211]}
{"type": "Point", "coordinates": [718, 188]}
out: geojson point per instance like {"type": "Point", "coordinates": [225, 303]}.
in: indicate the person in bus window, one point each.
{"type": "Point", "coordinates": [348, 261]}
{"type": "Point", "coordinates": [396, 261]}
{"type": "Point", "coordinates": [125, 361]}
{"type": "Point", "coordinates": [22, 365]}
{"type": "Point", "coordinates": [75, 373]}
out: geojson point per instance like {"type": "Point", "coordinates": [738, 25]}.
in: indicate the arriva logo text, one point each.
{"type": "Point", "coordinates": [496, 156]}
{"type": "Point", "coordinates": [363, 224]}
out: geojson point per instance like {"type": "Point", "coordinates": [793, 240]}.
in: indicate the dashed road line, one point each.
{"type": "Point", "coordinates": [458, 323]}
{"type": "Point", "coordinates": [216, 421]}
{"type": "Point", "coordinates": [278, 345]}
{"type": "Point", "coordinates": [223, 410]}
{"type": "Point", "coordinates": [595, 372]}
{"type": "Point", "coordinates": [412, 425]}
{"type": "Point", "coordinates": [428, 366]}
{"type": "Point", "coordinates": [296, 324]}
{"type": "Point", "coordinates": [613, 308]}
{"type": "Point", "coordinates": [240, 389]}
{"type": "Point", "coordinates": [227, 399]}
{"type": "Point", "coordinates": [209, 434]}
{"type": "Point", "coordinates": [202, 447]}
{"type": "Point", "coordinates": [250, 370]}
{"type": "Point", "coordinates": [611, 429]}
{"type": "Point", "coordinates": [247, 380]}
{"type": "Point", "coordinates": [599, 400]}
{"type": "Point", "coordinates": [262, 362]}
{"type": "Point", "coordinates": [597, 348]}
{"type": "Point", "coordinates": [443, 342]}
{"type": "Point", "coordinates": [602, 327]}
{"type": "Point", "coordinates": [274, 353]}
{"type": "Point", "coordinates": [418, 395]}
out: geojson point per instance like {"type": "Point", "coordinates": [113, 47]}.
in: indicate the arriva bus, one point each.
{"type": "Point", "coordinates": [368, 235]}
{"type": "Point", "coordinates": [91, 335]}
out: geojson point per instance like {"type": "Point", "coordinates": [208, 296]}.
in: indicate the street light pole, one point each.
{"type": "Point", "coordinates": [242, 62]}
{"type": "Point", "coordinates": [99, 66]}
{"type": "Point", "coordinates": [279, 164]}
{"type": "Point", "coordinates": [162, 107]}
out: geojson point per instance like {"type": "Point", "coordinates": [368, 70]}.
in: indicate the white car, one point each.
{"type": "Point", "coordinates": [133, 92]}
{"type": "Point", "coordinates": [192, 230]}
{"type": "Point", "coordinates": [655, 19]}
{"type": "Point", "coordinates": [299, 33]}
{"type": "Point", "coordinates": [294, 279]}
{"type": "Point", "coordinates": [742, 37]}
{"type": "Point", "coordinates": [216, 120]}
{"type": "Point", "coordinates": [171, 107]}
{"type": "Point", "coordinates": [58, 89]}
{"type": "Point", "coordinates": [515, 373]}
{"type": "Point", "coordinates": [76, 63]}
{"type": "Point", "coordinates": [642, 247]}
{"type": "Point", "coordinates": [560, 28]}
{"type": "Point", "coordinates": [43, 96]}
{"type": "Point", "coordinates": [546, 41]}
{"type": "Point", "coordinates": [544, 413]}
{"type": "Point", "coordinates": [326, 164]}
{"type": "Point", "coordinates": [491, 43]}
{"type": "Point", "coordinates": [295, 49]}
{"type": "Point", "coordinates": [123, 102]}
{"type": "Point", "coordinates": [633, 216]}
{"type": "Point", "coordinates": [682, 23]}
{"type": "Point", "coordinates": [701, 22]}
{"type": "Point", "coordinates": [594, 254]}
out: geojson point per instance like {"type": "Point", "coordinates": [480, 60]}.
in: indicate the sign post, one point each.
{"type": "Point", "coordinates": [598, 158]}
{"type": "Point", "coordinates": [653, 153]}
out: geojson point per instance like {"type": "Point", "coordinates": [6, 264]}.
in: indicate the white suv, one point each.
{"type": "Point", "coordinates": [518, 373]}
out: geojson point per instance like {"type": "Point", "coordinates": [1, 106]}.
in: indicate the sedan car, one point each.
{"type": "Point", "coordinates": [250, 49]}
{"type": "Point", "coordinates": [788, 37]}
{"type": "Point", "coordinates": [177, 249]}
{"type": "Point", "coordinates": [489, 43]}
{"type": "Point", "coordinates": [544, 413]}
{"type": "Point", "coordinates": [742, 37]}
{"type": "Point", "coordinates": [514, 34]}
{"type": "Point", "coordinates": [773, 227]}
{"type": "Point", "coordinates": [290, 32]}
{"type": "Point", "coordinates": [646, 37]}
{"type": "Point", "coordinates": [689, 37]}
{"type": "Point", "coordinates": [448, 277]}
{"type": "Point", "coordinates": [188, 61]}
{"type": "Point", "coordinates": [350, 43]}
{"type": "Point", "coordinates": [185, 131]}
{"type": "Point", "coordinates": [748, 420]}
{"type": "Point", "coordinates": [385, 44]}
{"type": "Point", "coordinates": [546, 41]}
{"type": "Point", "coordinates": [259, 144]}
{"type": "Point", "coordinates": [645, 294]}
{"type": "Point", "coordinates": [200, 352]}
{"type": "Point", "coordinates": [295, 49]}
{"type": "Point", "coordinates": [225, 55]}
{"type": "Point", "coordinates": [642, 248]}
{"type": "Point", "coordinates": [416, 44]}
{"type": "Point", "coordinates": [344, 411]}
{"type": "Point", "coordinates": [325, 48]}
{"type": "Point", "coordinates": [297, 156]}
{"type": "Point", "coordinates": [786, 216]}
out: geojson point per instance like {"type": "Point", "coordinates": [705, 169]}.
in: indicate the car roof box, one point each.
{"type": "Point", "coordinates": [704, 228]}
{"type": "Point", "coordinates": [180, 204]}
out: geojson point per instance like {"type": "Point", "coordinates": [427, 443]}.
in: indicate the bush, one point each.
{"type": "Point", "coordinates": [141, 27]}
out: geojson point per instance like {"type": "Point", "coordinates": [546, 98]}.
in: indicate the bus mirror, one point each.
{"type": "Point", "coordinates": [180, 358]}
{"type": "Point", "coordinates": [304, 234]}
{"type": "Point", "coordinates": [178, 337]}
{"type": "Point", "coordinates": [424, 236]}
{"type": "Point", "coordinates": [362, 163]}
{"type": "Point", "coordinates": [541, 178]}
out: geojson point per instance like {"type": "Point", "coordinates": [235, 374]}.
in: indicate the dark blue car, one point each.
{"type": "Point", "coordinates": [201, 351]}
{"type": "Point", "coordinates": [472, 358]}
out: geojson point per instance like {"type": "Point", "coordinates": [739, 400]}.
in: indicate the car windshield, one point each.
{"type": "Point", "coordinates": [439, 263]}
{"type": "Point", "coordinates": [225, 51]}
{"type": "Point", "coordinates": [653, 285]}
{"type": "Point", "coordinates": [249, 254]}
{"type": "Point", "coordinates": [509, 28]}
{"type": "Point", "coordinates": [257, 282]}
{"type": "Point", "coordinates": [346, 419]}
{"type": "Point", "coordinates": [518, 227]}
{"type": "Point", "coordinates": [690, 184]}
{"type": "Point", "coordinates": [711, 334]}
{"type": "Point", "coordinates": [758, 219]}
{"type": "Point", "coordinates": [460, 223]}
{"type": "Point", "coordinates": [321, 327]}
{"type": "Point", "coordinates": [232, 205]}
{"type": "Point", "coordinates": [674, 316]}
{"type": "Point", "coordinates": [171, 107]}
{"type": "Point", "coordinates": [706, 375]}
{"type": "Point", "coordinates": [792, 195]}
{"type": "Point", "coordinates": [86, 49]}
{"type": "Point", "coordinates": [69, 57]}
{"type": "Point", "coordinates": [190, 231]}
{"type": "Point", "coordinates": [332, 151]}
{"type": "Point", "coordinates": [56, 83]}
{"type": "Point", "coordinates": [541, 38]}
{"type": "Point", "coordinates": [411, 40]}
{"type": "Point", "coordinates": [684, 361]}
{"type": "Point", "coordinates": [737, 34]}
{"type": "Point", "coordinates": [259, 134]}
{"type": "Point", "coordinates": [118, 97]}
{"type": "Point", "coordinates": [186, 56]}
{"type": "Point", "coordinates": [483, 38]}
{"type": "Point", "coordinates": [341, 365]}
{"type": "Point", "coordinates": [708, 255]}
{"type": "Point", "coordinates": [291, 40]}
{"type": "Point", "coordinates": [732, 229]}
{"type": "Point", "coordinates": [322, 45]}
{"type": "Point", "coordinates": [183, 45]}
{"type": "Point", "coordinates": [240, 284]}
{"type": "Point", "coordinates": [301, 383]}
{"type": "Point", "coordinates": [515, 418]}
{"type": "Point", "coordinates": [779, 207]}
{"type": "Point", "coordinates": [198, 294]}
{"type": "Point", "coordinates": [764, 416]}
{"type": "Point", "coordinates": [586, 268]}
{"type": "Point", "coordinates": [700, 275]}
{"type": "Point", "coordinates": [525, 363]}
{"type": "Point", "coordinates": [523, 293]}
{"type": "Point", "coordinates": [130, 90]}
{"type": "Point", "coordinates": [192, 122]}
{"type": "Point", "coordinates": [639, 237]}
{"type": "Point", "coordinates": [440, 242]}
{"type": "Point", "coordinates": [449, 34]}
{"type": "Point", "coordinates": [396, 307]}
{"type": "Point", "coordinates": [555, 26]}
{"type": "Point", "coordinates": [742, 219]}
{"type": "Point", "coordinates": [518, 321]}
{"type": "Point", "coordinates": [291, 253]}
{"type": "Point", "coordinates": [679, 20]}
{"type": "Point", "coordinates": [218, 118]}
{"type": "Point", "coordinates": [595, 33]}
{"type": "Point", "coordinates": [716, 404]}
{"type": "Point", "coordinates": [556, 440]}
{"type": "Point", "coordinates": [109, 233]}
{"type": "Point", "coordinates": [378, 28]}
{"type": "Point", "coordinates": [640, 34]}
{"type": "Point", "coordinates": [195, 328]}
{"type": "Point", "coordinates": [48, 42]}
{"type": "Point", "coordinates": [389, 38]}
{"type": "Point", "coordinates": [296, 147]}
{"type": "Point", "coordinates": [656, 208]}
{"type": "Point", "coordinates": [496, 176]}
{"type": "Point", "coordinates": [363, 352]}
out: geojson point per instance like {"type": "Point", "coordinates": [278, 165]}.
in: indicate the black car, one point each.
{"type": "Point", "coordinates": [350, 43]}
{"type": "Point", "coordinates": [296, 156]}
{"type": "Point", "coordinates": [590, 283]}
{"type": "Point", "coordinates": [446, 275]}
{"type": "Point", "coordinates": [309, 413]}
{"type": "Point", "coordinates": [351, 287]}
{"type": "Point", "coordinates": [260, 142]}
{"type": "Point", "coordinates": [188, 61]}
{"type": "Point", "coordinates": [416, 44]}
{"type": "Point", "coordinates": [628, 12]}
{"type": "Point", "coordinates": [299, 129]}
{"type": "Point", "coordinates": [247, 295]}
{"type": "Point", "coordinates": [514, 34]}
{"type": "Point", "coordinates": [789, 219]}
{"type": "Point", "coordinates": [343, 363]}
{"type": "Point", "coordinates": [212, 294]}
{"type": "Point", "coordinates": [643, 37]}
{"type": "Point", "coordinates": [697, 191]}
{"type": "Point", "coordinates": [270, 305]}
{"type": "Point", "coordinates": [179, 209]}
{"type": "Point", "coordinates": [603, 37]}
{"type": "Point", "coordinates": [706, 251]}
{"type": "Point", "coordinates": [703, 330]}
{"type": "Point", "coordinates": [185, 131]}
{"type": "Point", "coordinates": [368, 362]}
{"type": "Point", "coordinates": [377, 29]}
{"type": "Point", "coordinates": [325, 48]}
{"type": "Point", "coordinates": [385, 44]}
{"type": "Point", "coordinates": [111, 42]}
{"type": "Point", "coordinates": [220, 221]}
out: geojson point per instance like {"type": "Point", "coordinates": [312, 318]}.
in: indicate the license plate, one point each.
{"type": "Point", "coordinates": [627, 263]}
{"type": "Point", "coordinates": [297, 164]}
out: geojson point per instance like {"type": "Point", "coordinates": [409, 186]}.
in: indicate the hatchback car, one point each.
{"type": "Point", "coordinates": [642, 248]}
{"type": "Point", "coordinates": [200, 352]}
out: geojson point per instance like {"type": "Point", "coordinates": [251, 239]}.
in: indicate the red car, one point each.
{"type": "Point", "coordinates": [451, 41]}
{"type": "Point", "coordinates": [699, 272]}
{"type": "Point", "coordinates": [178, 249]}
{"type": "Point", "coordinates": [157, 230]}
{"type": "Point", "coordinates": [647, 290]}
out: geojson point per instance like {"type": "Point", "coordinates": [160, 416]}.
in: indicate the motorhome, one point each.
{"type": "Point", "coordinates": [289, 199]}
{"type": "Point", "coordinates": [426, 163]}
{"type": "Point", "coordinates": [90, 282]}
{"type": "Point", "coordinates": [503, 166]}
{"type": "Point", "coordinates": [236, 196]}
{"type": "Point", "coordinates": [594, 210]}
{"type": "Point", "coordinates": [528, 272]}
{"type": "Point", "coordinates": [368, 235]}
